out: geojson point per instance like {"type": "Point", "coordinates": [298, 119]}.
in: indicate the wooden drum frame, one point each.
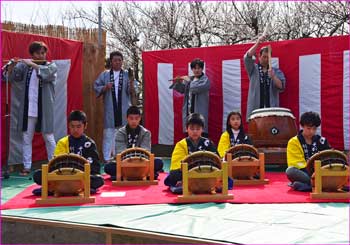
{"type": "Point", "coordinates": [66, 175]}
{"type": "Point", "coordinates": [135, 166]}
{"type": "Point", "coordinates": [244, 162]}
{"type": "Point", "coordinates": [329, 170]}
{"type": "Point", "coordinates": [202, 173]}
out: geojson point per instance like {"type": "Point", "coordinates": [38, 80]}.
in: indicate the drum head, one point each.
{"type": "Point", "coordinates": [242, 151]}
{"type": "Point", "coordinates": [67, 171]}
{"type": "Point", "coordinates": [203, 158]}
{"type": "Point", "coordinates": [135, 153]}
{"type": "Point", "coordinates": [70, 160]}
{"type": "Point", "coordinates": [271, 111]}
{"type": "Point", "coordinates": [326, 157]}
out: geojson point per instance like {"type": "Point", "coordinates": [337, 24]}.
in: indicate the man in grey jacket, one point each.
{"type": "Point", "coordinates": [265, 84]}
{"type": "Point", "coordinates": [32, 100]}
{"type": "Point", "coordinates": [133, 135]}
{"type": "Point", "coordinates": [196, 93]}
{"type": "Point", "coordinates": [118, 89]}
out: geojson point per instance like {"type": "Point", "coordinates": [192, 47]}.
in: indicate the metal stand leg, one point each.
{"type": "Point", "coordinates": [5, 173]}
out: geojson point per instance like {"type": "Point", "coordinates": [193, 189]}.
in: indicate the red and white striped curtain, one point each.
{"type": "Point", "coordinates": [316, 70]}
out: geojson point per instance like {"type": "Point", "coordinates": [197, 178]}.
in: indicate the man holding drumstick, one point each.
{"type": "Point", "coordinates": [266, 82]}
{"type": "Point", "coordinates": [117, 86]}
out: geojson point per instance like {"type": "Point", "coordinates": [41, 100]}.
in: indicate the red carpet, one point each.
{"type": "Point", "coordinates": [275, 192]}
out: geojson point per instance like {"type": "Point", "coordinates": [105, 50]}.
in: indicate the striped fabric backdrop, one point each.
{"type": "Point", "coordinates": [316, 69]}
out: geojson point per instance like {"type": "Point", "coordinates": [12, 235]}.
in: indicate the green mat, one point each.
{"type": "Point", "coordinates": [12, 186]}
{"type": "Point", "coordinates": [15, 184]}
{"type": "Point", "coordinates": [324, 223]}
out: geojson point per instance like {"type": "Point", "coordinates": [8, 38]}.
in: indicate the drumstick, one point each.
{"type": "Point", "coordinates": [263, 34]}
{"type": "Point", "coordinates": [265, 31]}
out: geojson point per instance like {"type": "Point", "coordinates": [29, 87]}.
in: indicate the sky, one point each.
{"type": "Point", "coordinates": [47, 12]}
{"type": "Point", "coordinates": [41, 12]}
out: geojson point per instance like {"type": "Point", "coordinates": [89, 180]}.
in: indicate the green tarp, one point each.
{"type": "Point", "coordinates": [325, 223]}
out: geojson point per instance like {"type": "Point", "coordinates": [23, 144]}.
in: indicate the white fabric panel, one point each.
{"type": "Point", "coordinates": [346, 101]}
{"type": "Point", "coordinates": [166, 108]}
{"type": "Point", "coordinates": [63, 67]}
{"type": "Point", "coordinates": [231, 88]}
{"type": "Point", "coordinates": [310, 84]}
{"type": "Point", "coordinates": [275, 62]}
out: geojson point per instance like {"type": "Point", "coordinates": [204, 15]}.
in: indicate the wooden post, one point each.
{"type": "Point", "coordinates": [151, 167]}
{"type": "Point", "coordinates": [86, 180]}
{"type": "Point", "coordinates": [119, 167]}
{"type": "Point", "coordinates": [224, 177]}
{"type": "Point", "coordinates": [44, 181]}
{"type": "Point", "coordinates": [185, 190]}
{"type": "Point", "coordinates": [229, 161]}
{"type": "Point", "coordinates": [318, 177]}
{"type": "Point", "coordinates": [262, 165]}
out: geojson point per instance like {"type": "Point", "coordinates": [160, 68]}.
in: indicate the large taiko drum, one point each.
{"type": "Point", "coordinates": [271, 127]}
{"type": "Point", "coordinates": [66, 164]}
{"type": "Point", "coordinates": [243, 153]}
{"type": "Point", "coordinates": [332, 160]}
{"type": "Point", "coordinates": [203, 162]}
{"type": "Point", "coordinates": [136, 156]}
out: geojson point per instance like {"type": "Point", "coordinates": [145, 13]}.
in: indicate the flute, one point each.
{"type": "Point", "coordinates": [176, 80]}
{"type": "Point", "coordinates": [16, 60]}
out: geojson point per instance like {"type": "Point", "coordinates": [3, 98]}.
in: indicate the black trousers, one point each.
{"type": "Point", "coordinates": [111, 168]}
{"type": "Point", "coordinates": [173, 177]}
{"type": "Point", "coordinates": [96, 181]}
{"type": "Point", "coordinates": [176, 175]}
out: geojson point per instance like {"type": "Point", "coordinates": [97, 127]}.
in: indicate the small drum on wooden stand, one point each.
{"type": "Point", "coordinates": [270, 130]}
{"type": "Point", "coordinates": [245, 163]}
{"type": "Point", "coordinates": [202, 174]}
{"type": "Point", "coordinates": [329, 172]}
{"type": "Point", "coordinates": [66, 175]}
{"type": "Point", "coordinates": [135, 166]}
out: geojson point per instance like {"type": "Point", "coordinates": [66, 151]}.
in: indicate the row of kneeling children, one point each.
{"type": "Point", "coordinates": [299, 149]}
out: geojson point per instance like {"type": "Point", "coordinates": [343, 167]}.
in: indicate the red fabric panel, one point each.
{"type": "Point", "coordinates": [179, 70]}
{"type": "Point", "coordinates": [332, 83]}
{"type": "Point", "coordinates": [213, 67]}
{"type": "Point", "coordinates": [150, 97]}
{"type": "Point", "coordinates": [289, 64]}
